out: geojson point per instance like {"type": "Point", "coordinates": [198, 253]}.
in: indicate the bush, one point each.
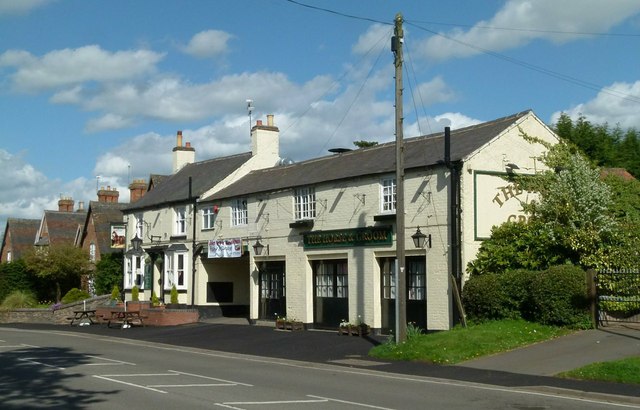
{"type": "Point", "coordinates": [19, 299]}
{"type": "Point", "coordinates": [556, 296]}
{"type": "Point", "coordinates": [115, 293]}
{"type": "Point", "coordinates": [135, 293]}
{"type": "Point", "coordinates": [15, 276]}
{"type": "Point", "coordinates": [75, 295]}
{"type": "Point", "coordinates": [484, 298]}
{"type": "Point", "coordinates": [155, 301]}
{"type": "Point", "coordinates": [559, 296]}
{"type": "Point", "coordinates": [174, 295]}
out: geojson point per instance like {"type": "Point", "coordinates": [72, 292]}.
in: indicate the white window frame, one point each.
{"type": "Point", "coordinates": [388, 195]}
{"type": "Point", "coordinates": [180, 220]}
{"type": "Point", "coordinates": [239, 215]}
{"type": "Point", "coordinates": [174, 264]}
{"type": "Point", "coordinates": [134, 274]}
{"type": "Point", "coordinates": [208, 217]}
{"type": "Point", "coordinates": [304, 203]}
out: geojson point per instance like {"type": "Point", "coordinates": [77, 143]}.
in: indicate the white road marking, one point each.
{"type": "Point", "coordinates": [350, 402]}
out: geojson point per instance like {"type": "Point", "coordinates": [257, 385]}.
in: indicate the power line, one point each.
{"type": "Point", "coordinates": [338, 13]}
{"type": "Point", "coordinates": [527, 30]}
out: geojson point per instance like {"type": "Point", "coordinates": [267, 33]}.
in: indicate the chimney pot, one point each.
{"type": "Point", "coordinates": [259, 122]}
{"type": "Point", "coordinates": [179, 139]}
{"type": "Point", "coordinates": [270, 120]}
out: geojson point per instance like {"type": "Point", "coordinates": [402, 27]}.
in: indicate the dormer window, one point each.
{"type": "Point", "coordinates": [304, 203]}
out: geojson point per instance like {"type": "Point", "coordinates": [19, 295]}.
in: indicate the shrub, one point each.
{"type": "Point", "coordinates": [174, 295]}
{"type": "Point", "coordinates": [135, 294]}
{"type": "Point", "coordinates": [115, 293]}
{"type": "Point", "coordinates": [559, 296]}
{"type": "Point", "coordinates": [19, 299]}
{"type": "Point", "coordinates": [108, 273]}
{"type": "Point", "coordinates": [75, 295]}
{"type": "Point", "coordinates": [14, 276]}
{"type": "Point", "coordinates": [155, 301]}
{"type": "Point", "coordinates": [483, 298]}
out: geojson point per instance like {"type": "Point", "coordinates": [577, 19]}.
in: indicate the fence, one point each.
{"type": "Point", "coordinates": [618, 295]}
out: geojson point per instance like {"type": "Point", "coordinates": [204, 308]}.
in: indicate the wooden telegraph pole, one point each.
{"type": "Point", "coordinates": [401, 286]}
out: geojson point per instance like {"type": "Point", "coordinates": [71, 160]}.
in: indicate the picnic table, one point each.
{"type": "Point", "coordinates": [82, 317]}
{"type": "Point", "coordinates": [126, 318]}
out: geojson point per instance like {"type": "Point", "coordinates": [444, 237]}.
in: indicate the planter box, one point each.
{"type": "Point", "coordinates": [354, 330]}
{"type": "Point", "coordinates": [289, 325]}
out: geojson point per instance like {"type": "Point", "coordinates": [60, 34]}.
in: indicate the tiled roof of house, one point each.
{"type": "Point", "coordinates": [204, 175]}
{"type": "Point", "coordinates": [23, 233]}
{"type": "Point", "coordinates": [421, 151]}
{"type": "Point", "coordinates": [619, 172]}
{"type": "Point", "coordinates": [104, 214]}
{"type": "Point", "coordinates": [62, 227]}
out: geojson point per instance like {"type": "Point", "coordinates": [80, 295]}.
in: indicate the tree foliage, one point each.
{"type": "Point", "coordinates": [108, 273]}
{"type": "Point", "coordinates": [63, 264]}
{"type": "Point", "coordinates": [575, 219]}
{"type": "Point", "coordinates": [605, 146]}
{"type": "Point", "coordinates": [365, 144]}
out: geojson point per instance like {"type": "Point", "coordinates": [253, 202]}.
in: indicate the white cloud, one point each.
{"type": "Point", "coordinates": [455, 120]}
{"type": "Point", "coordinates": [532, 19]}
{"type": "Point", "coordinates": [66, 67]}
{"type": "Point", "coordinates": [108, 122]}
{"type": "Point", "coordinates": [376, 37]}
{"type": "Point", "coordinates": [208, 44]}
{"type": "Point", "coordinates": [8, 7]}
{"type": "Point", "coordinates": [435, 91]}
{"type": "Point", "coordinates": [615, 105]}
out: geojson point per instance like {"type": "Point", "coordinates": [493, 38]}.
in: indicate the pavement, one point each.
{"type": "Point", "coordinates": [531, 367]}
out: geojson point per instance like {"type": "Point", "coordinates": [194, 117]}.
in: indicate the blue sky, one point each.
{"type": "Point", "coordinates": [91, 88]}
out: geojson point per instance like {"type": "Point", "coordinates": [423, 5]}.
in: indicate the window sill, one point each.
{"type": "Point", "coordinates": [384, 217]}
{"type": "Point", "coordinates": [304, 223]}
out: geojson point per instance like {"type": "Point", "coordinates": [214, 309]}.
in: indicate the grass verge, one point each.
{"type": "Point", "coordinates": [461, 344]}
{"type": "Point", "coordinates": [618, 371]}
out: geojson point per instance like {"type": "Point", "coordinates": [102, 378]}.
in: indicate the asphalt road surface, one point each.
{"type": "Point", "coordinates": [71, 370]}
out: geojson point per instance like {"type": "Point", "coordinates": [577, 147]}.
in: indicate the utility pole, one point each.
{"type": "Point", "coordinates": [401, 286]}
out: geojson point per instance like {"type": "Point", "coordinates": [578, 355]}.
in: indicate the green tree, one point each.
{"type": "Point", "coordinates": [365, 144]}
{"type": "Point", "coordinates": [15, 276]}
{"type": "Point", "coordinates": [109, 272]}
{"type": "Point", "coordinates": [62, 264]}
{"type": "Point", "coordinates": [570, 221]}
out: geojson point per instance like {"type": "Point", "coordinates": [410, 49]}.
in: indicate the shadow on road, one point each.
{"type": "Point", "coordinates": [34, 377]}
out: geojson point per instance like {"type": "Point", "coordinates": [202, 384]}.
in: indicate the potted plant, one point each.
{"type": "Point", "coordinates": [155, 301]}
{"type": "Point", "coordinates": [174, 298]}
{"type": "Point", "coordinates": [115, 295]}
{"type": "Point", "coordinates": [135, 294]}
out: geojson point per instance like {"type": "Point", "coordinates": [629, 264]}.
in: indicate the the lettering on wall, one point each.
{"type": "Point", "coordinates": [496, 201]}
{"type": "Point", "coordinates": [374, 235]}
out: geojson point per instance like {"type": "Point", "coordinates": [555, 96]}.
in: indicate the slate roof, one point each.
{"type": "Point", "coordinates": [204, 175]}
{"type": "Point", "coordinates": [23, 234]}
{"type": "Point", "coordinates": [61, 227]}
{"type": "Point", "coordinates": [421, 151]}
{"type": "Point", "coordinates": [103, 215]}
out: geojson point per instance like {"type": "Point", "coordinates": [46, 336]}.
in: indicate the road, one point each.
{"type": "Point", "coordinates": [59, 369]}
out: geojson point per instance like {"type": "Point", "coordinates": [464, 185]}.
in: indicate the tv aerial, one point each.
{"type": "Point", "coordinates": [249, 111]}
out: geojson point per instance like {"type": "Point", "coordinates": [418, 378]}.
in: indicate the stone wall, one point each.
{"type": "Point", "coordinates": [52, 316]}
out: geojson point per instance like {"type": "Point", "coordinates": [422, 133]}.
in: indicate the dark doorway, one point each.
{"type": "Point", "coordinates": [331, 293]}
{"type": "Point", "coordinates": [416, 297]}
{"type": "Point", "coordinates": [273, 301]}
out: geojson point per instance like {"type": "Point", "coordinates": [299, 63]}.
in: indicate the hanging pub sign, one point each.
{"type": "Point", "coordinates": [118, 236]}
{"type": "Point", "coordinates": [371, 235]}
{"type": "Point", "coordinates": [225, 248]}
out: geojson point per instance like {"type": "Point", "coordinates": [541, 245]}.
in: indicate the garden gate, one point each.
{"type": "Point", "coordinates": [618, 295]}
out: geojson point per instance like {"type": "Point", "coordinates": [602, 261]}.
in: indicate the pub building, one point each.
{"type": "Point", "coordinates": [315, 241]}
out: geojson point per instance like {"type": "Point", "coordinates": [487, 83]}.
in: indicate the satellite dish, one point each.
{"type": "Point", "coordinates": [339, 150]}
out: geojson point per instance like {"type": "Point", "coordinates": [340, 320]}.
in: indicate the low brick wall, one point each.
{"type": "Point", "coordinates": [50, 316]}
{"type": "Point", "coordinates": [154, 316]}
{"type": "Point", "coordinates": [103, 308]}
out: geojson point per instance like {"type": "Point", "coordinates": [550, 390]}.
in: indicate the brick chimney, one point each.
{"type": "Point", "coordinates": [65, 204]}
{"type": "Point", "coordinates": [182, 155]}
{"type": "Point", "coordinates": [137, 189]}
{"type": "Point", "coordinates": [108, 195]}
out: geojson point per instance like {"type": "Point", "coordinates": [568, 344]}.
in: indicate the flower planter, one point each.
{"type": "Point", "coordinates": [354, 330]}
{"type": "Point", "coordinates": [292, 325]}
